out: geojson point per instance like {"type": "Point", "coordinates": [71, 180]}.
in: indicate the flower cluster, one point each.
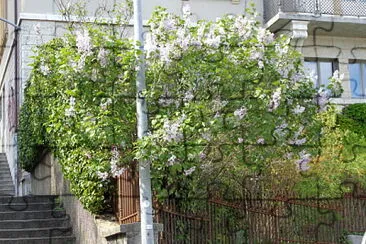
{"type": "Point", "coordinates": [305, 159]}
{"type": "Point", "coordinates": [71, 110]}
{"type": "Point", "coordinates": [172, 129]}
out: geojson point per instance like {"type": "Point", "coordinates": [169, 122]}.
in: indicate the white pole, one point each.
{"type": "Point", "coordinates": [147, 232]}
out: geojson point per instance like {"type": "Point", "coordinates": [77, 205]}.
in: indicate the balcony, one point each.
{"type": "Point", "coordinates": [350, 15]}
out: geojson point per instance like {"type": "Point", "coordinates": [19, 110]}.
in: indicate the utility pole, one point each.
{"type": "Point", "coordinates": [147, 231]}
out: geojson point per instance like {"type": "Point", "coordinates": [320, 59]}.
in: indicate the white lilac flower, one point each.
{"type": "Point", "coordinates": [103, 57]}
{"type": "Point", "coordinates": [213, 41]}
{"type": "Point", "coordinates": [102, 175]}
{"type": "Point", "coordinates": [260, 141]}
{"type": "Point", "coordinates": [201, 31]}
{"type": "Point", "coordinates": [322, 99]}
{"type": "Point", "coordinates": [188, 96]}
{"type": "Point", "coordinates": [241, 112]}
{"type": "Point", "coordinates": [298, 109]}
{"type": "Point", "coordinates": [302, 163]}
{"type": "Point", "coordinates": [280, 130]}
{"type": "Point", "coordinates": [165, 52]}
{"type": "Point", "coordinates": [45, 70]}
{"type": "Point", "coordinates": [183, 39]}
{"type": "Point", "coordinates": [150, 44]}
{"type": "Point", "coordinates": [115, 169]}
{"type": "Point", "coordinates": [169, 24]}
{"type": "Point", "coordinates": [336, 83]}
{"type": "Point", "coordinates": [275, 100]}
{"type": "Point", "coordinates": [81, 63]}
{"type": "Point", "coordinates": [218, 104]}
{"type": "Point", "coordinates": [189, 171]}
{"type": "Point", "coordinates": [260, 64]}
{"type": "Point", "coordinates": [265, 36]}
{"type": "Point", "coordinates": [172, 160]}
{"type": "Point", "coordinates": [165, 102]}
{"type": "Point", "coordinates": [172, 130]}
{"type": "Point", "coordinates": [207, 136]}
{"type": "Point", "coordinates": [105, 105]}
{"type": "Point", "coordinates": [94, 75]}
{"type": "Point", "coordinates": [241, 24]}
{"type": "Point", "coordinates": [83, 41]}
{"type": "Point", "coordinates": [240, 140]}
{"type": "Point", "coordinates": [297, 142]}
{"type": "Point", "coordinates": [203, 155]}
{"type": "Point", "coordinates": [256, 54]}
{"type": "Point", "coordinates": [72, 101]}
{"type": "Point", "coordinates": [281, 50]}
{"type": "Point", "coordinates": [71, 110]}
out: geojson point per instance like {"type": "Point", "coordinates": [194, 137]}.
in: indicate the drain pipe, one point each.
{"type": "Point", "coordinates": [16, 87]}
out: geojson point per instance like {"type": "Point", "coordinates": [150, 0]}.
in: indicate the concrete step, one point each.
{"type": "Point", "coordinates": [29, 206]}
{"type": "Point", "coordinates": [34, 223]}
{"type": "Point", "coordinates": [7, 193]}
{"type": "Point", "coordinates": [6, 187]}
{"type": "Point", "coordinates": [6, 184]}
{"type": "Point", "coordinates": [28, 199]}
{"type": "Point", "coordinates": [5, 175]}
{"type": "Point", "coordinates": [35, 232]}
{"type": "Point", "coordinates": [21, 215]}
{"type": "Point", "coordinates": [35, 240]}
{"type": "Point", "coordinates": [5, 179]}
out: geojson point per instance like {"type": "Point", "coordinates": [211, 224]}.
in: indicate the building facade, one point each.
{"type": "Point", "coordinates": [331, 34]}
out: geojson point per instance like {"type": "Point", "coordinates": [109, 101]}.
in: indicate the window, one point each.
{"type": "Point", "coordinates": [322, 70]}
{"type": "Point", "coordinates": [357, 75]}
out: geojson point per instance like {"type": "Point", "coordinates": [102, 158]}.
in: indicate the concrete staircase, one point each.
{"type": "Point", "coordinates": [6, 182]}
{"type": "Point", "coordinates": [31, 219]}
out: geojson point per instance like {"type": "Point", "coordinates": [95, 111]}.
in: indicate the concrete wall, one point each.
{"type": "Point", "coordinates": [47, 179]}
{"type": "Point", "coordinates": [8, 132]}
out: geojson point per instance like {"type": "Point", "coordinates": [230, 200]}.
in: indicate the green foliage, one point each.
{"type": "Point", "coordinates": [353, 118]}
{"type": "Point", "coordinates": [79, 104]}
{"type": "Point", "coordinates": [230, 103]}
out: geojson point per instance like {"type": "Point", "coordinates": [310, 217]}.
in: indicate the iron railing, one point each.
{"type": "Point", "coordinates": [316, 7]}
{"type": "Point", "coordinates": [248, 220]}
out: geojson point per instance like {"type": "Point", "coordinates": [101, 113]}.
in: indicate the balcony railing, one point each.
{"type": "Point", "coordinates": [316, 7]}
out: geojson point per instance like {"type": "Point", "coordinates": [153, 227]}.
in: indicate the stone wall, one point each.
{"type": "Point", "coordinates": [8, 104]}
{"type": "Point", "coordinates": [47, 179]}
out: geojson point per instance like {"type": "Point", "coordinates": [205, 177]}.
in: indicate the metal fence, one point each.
{"type": "Point", "coordinates": [263, 221]}
{"type": "Point", "coordinates": [316, 7]}
{"type": "Point", "coordinates": [126, 204]}
{"type": "Point", "coordinates": [247, 220]}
